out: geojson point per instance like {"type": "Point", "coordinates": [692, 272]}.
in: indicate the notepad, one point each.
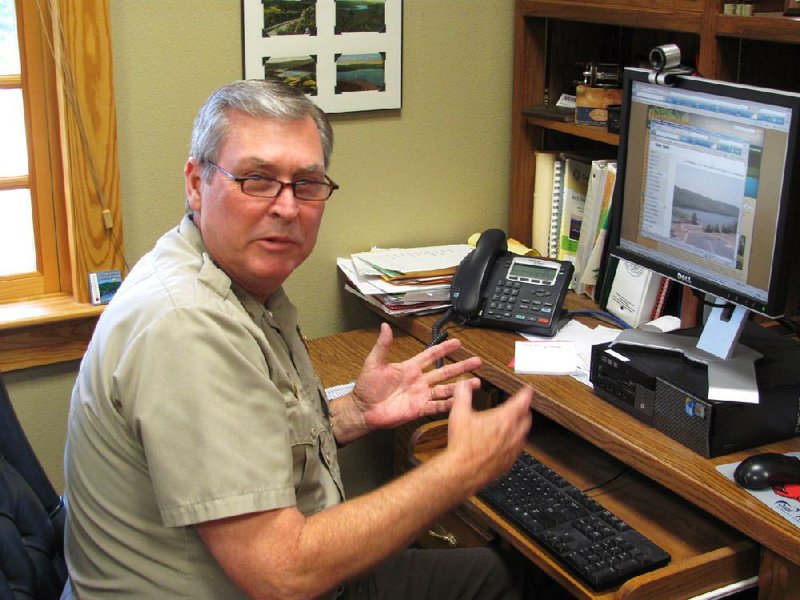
{"type": "Point", "coordinates": [547, 357]}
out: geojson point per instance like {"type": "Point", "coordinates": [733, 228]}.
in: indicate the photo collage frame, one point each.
{"type": "Point", "coordinates": [345, 54]}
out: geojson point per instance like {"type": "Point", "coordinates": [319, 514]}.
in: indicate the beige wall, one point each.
{"type": "Point", "coordinates": [431, 173]}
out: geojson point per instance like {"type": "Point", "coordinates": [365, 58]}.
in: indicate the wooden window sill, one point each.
{"type": "Point", "coordinates": [45, 331]}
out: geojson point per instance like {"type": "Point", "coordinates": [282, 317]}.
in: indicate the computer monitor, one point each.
{"type": "Point", "coordinates": [707, 195]}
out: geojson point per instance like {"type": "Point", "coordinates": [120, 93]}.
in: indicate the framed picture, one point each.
{"type": "Point", "coordinates": [346, 55]}
{"type": "Point", "coordinates": [791, 7]}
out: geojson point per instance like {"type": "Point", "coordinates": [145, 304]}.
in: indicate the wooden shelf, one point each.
{"type": "Point", "coordinates": [551, 36]}
{"type": "Point", "coordinates": [48, 330]}
{"type": "Point", "coordinates": [598, 134]}
{"type": "Point", "coordinates": [683, 16]}
{"type": "Point", "coordinates": [768, 27]}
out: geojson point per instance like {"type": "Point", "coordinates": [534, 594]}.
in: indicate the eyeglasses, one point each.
{"type": "Point", "coordinates": [267, 187]}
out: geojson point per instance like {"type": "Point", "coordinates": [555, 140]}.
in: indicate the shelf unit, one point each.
{"type": "Point", "coordinates": [551, 36]}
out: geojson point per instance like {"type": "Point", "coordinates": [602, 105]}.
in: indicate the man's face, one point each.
{"type": "Point", "coordinates": [258, 242]}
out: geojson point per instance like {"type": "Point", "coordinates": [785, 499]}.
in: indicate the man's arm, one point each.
{"type": "Point", "coordinates": [387, 395]}
{"type": "Point", "coordinates": [282, 554]}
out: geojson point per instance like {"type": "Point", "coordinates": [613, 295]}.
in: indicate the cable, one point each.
{"type": "Point", "coordinates": [70, 94]}
{"type": "Point", "coordinates": [602, 315]}
{"type": "Point", "coordinates": [607, 482]}
{"type": "Point", "coordinates": [438, 335]}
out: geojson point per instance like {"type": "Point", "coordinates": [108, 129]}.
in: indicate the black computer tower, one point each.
{"type": "Point", "coordinates": [669, 392]}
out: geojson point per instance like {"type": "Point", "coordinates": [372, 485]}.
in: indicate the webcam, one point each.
{"type": "Point", "coordinates": [664, 57]}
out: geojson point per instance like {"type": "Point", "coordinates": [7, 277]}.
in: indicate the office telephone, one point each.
{"type": "Point", "coordinates": [496, 288]}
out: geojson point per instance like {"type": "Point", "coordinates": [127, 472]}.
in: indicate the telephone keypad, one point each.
{"type": "Point", "coordinates": [514, 300]}
{"type": "Point", "coordinates": [529, 303]}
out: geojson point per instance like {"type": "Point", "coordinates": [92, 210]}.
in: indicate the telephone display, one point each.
{"type": "Point", "coordinates": [496, 288]}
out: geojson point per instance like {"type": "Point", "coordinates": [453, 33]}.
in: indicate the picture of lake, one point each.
{"type": "Point", "coordinates": [706, 207]}
{"type": "Point", "coordinates": [360, 16]}
{"type": "Point", "coordinates": [299, 72]}
{"type": "Point", "coordinates": [360, 72]}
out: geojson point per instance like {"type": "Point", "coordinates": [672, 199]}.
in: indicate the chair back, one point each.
{"type": "Point", "coordinates": [32, 517]}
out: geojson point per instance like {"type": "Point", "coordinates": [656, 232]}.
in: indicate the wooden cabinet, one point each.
{"type": "Point", "coordinates": [552, 36]}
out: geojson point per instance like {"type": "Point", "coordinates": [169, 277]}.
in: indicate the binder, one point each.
{"type": "Point", "coordinates": [555, 207]}
{"type": "Point", "coordinates": [543, 201]}
{"type": "Point", "coordinates": [590, 223]}
{"type": "Point", "coordinates": [591, 276]}
{"type": "Point", "coordinates": [575, 184]}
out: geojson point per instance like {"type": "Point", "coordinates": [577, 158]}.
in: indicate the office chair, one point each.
{"type": "Point", "coordinates": [32, 517]}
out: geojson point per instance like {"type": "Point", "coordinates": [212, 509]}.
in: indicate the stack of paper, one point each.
{"type": "Point", "coordinates": [404, 280]}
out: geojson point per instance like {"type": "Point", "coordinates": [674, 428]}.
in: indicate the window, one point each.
{"type": "Point", "coordinates": [59, 205]}
{"type": "Point", "coordinates": [28, 237]}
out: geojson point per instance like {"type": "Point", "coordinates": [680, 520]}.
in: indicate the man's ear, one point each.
{"type": "Point", "coordinates": [193, 175]}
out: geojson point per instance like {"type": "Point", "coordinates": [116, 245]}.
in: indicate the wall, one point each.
{"type": "Point", "coordinates": [433, 172]}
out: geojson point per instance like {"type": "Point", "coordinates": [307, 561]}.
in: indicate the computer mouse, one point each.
{"type": "Point", "coordinates": [762, 471]}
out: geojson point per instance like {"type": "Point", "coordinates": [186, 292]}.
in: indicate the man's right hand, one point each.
{"type": "Point", "coordinates": [485, 444]}
{"type": "Point", "coordinates": [281, 553]}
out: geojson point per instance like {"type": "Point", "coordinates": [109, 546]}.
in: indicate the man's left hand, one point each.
{"type": "Point", "coordinates": [390, 394]}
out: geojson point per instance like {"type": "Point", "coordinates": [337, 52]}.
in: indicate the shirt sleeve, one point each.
{"type": "Point", "coordinates": [195, 389]}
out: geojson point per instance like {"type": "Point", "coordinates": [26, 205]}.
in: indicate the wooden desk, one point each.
{"type": "Point", "coordinates": [706, 553]}
{"type": "Point", "coordinates": [572, 405]}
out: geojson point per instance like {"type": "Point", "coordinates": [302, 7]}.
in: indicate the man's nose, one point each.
{"type": "Point", "coordinates": [285, 203]}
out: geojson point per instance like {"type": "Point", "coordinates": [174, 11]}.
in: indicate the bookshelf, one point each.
{"type": "Point", "coordinates": [551, 36]}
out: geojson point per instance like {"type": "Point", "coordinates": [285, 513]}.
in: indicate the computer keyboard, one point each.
{"type": "Point", "coordinates": [598, 547]}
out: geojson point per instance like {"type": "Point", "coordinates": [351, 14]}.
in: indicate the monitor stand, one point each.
{"type": "Point", "coordinates": [731, 366]}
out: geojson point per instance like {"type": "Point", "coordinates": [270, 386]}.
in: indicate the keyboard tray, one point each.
{"type": "Point", "coordinates": [598, 547]}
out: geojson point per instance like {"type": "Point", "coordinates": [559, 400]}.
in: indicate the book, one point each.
{"type": "Point", "coordinates": [542, 201]}
{"type": "Point", "coordinates": [591, 274]}
{"type": "Point", "coordinates": [576, 182]}
{"type": "Point", "coordinates": [661, 298]}
{"type": "Point", "coordinates": [590, 225]}
{"type": "Point", "coordinates": [551, 112]}
{"type": "Point", "coordinates": [555, 207]}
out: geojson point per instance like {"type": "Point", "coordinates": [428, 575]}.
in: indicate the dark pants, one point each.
{"type": "Point", "coordinates": [458, 574]}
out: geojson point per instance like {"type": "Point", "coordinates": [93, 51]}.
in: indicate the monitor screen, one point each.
{"type": "Point", "coordinates": [707, 188]}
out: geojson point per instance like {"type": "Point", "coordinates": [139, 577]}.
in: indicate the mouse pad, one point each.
{"type": "Point", "coordinates": [785, 502]}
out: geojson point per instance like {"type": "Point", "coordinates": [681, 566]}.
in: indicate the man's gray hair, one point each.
{"type": "Point", "coordinates": [258, 98]}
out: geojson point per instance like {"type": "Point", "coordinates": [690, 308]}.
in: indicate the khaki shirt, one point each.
{"type": "Point", "coordinates": [194, 402]}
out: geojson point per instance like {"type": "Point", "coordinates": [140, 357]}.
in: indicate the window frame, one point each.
{"type": "Point", "coordinates": [74, 180]}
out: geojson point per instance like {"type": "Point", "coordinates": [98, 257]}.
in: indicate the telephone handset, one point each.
{"type": "Point", "coordinates": [472, 275]}
{"type": "Point", "coordinates": [496, 288]}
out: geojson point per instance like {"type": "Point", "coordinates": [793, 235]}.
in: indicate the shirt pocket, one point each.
{"type": "Point", "coordinates": [304, 436]}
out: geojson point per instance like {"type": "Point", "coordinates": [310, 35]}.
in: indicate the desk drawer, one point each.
{"type": "Point", "coordinates": [457, 529]}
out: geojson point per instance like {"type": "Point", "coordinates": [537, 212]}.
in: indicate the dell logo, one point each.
{"type": "Point", "coordinates": [684, 278]}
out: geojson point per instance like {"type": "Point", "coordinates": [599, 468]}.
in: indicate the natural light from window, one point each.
{"type": "Point", "coordinates": [17, 243]}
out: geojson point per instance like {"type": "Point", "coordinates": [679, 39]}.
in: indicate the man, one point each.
{"type": "Point", "coordinates": [201, 452]}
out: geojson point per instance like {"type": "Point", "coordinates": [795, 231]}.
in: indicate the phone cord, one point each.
{"type": "Point", "coordinates": [437, 335]}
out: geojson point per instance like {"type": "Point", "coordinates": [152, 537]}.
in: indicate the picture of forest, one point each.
{"type": "Point", "coordinates": [360, 16]}
{"type": "Point", "coordinates": [289, 17]}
